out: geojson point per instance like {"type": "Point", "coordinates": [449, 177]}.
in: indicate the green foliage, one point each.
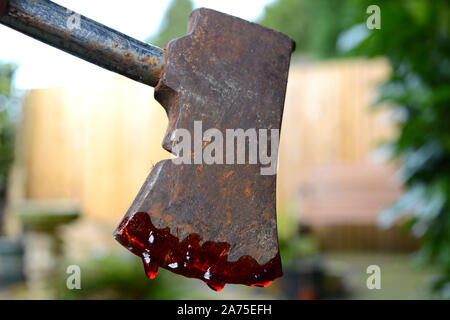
{"type": "Point", "coordinates": [121, 276]}
{"type": "Point", "coordinates": [415, 37]}
{"type": "Point", "coordinates": [6, 126]}
{"type": "Point", "coordinates": [314, 24]}
{"type": "Point", "coordinates": [293, 245]}
{"type": "Point", "coordinates": [174, 23]}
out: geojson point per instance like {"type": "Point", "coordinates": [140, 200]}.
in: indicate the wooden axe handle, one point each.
{"type": "Point", "coordinates": [82, 37]}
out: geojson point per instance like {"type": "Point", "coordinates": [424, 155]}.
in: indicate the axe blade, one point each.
{"type": "Point", "coordinates": [214, 222]}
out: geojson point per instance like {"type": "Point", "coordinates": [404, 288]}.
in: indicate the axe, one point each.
{"type": "Point", "coordinates": [215, 221]}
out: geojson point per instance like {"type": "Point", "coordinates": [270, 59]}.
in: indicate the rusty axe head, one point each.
{"type": "Point", "coordinates": [215, 221]}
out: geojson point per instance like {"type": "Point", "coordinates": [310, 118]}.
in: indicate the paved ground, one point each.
{"type": "Point", "coordinates": [400, 279]}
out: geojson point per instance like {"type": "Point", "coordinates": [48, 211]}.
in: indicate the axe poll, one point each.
{"type": "Point", "coordinates": [215, 222]}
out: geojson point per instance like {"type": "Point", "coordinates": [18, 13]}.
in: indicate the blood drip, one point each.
{"type": "Point", "coordinates": [207, 262]}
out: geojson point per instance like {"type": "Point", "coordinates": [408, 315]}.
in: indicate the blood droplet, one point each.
{"type": "Point", "coordinates": [207, 262]}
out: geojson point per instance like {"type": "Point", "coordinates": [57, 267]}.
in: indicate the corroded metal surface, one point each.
{"type": "Point", "coordinates": [85, 38]}
{"type": "Point", "coordinates": [229, 74]}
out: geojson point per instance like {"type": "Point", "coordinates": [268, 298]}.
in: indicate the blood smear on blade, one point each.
{"type": "Point", "coordinates": [207, 262]}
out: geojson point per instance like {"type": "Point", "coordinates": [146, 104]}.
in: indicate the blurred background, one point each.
{"type": "Point", "coordinates": [364, 169]}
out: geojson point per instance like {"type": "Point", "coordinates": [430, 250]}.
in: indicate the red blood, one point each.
{"type": "Point", "coordinates": [264, 284]}
{"type": "Point", "coordinates": [207, 262]}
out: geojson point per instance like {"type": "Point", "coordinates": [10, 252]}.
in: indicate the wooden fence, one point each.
{"type": "Point", "coordinates": [97, 143]}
